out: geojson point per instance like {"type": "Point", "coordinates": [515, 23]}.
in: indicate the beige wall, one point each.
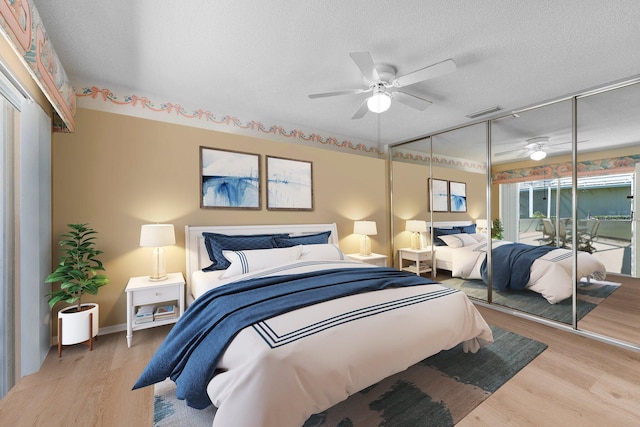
{"type": "Point", "coordinates": [118, 172]}
{"type": "Point", "coordinates": [411, 197]}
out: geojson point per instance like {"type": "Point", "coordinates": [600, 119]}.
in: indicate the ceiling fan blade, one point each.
{"type": "Point", "coordinates": [436, 70]}
{"type": "Point", "coordinates": [412, 100]}
{"type": "Point", "coordinates": [504, 153]}
{"type": "Point", "coordinates": [366, 65]}
{"type": "Point", "coordinates": [336, 93]}
{"type": "Point", "coordinates": [566, 143]}
{"type": "Point", "coordinates": [361, 111]}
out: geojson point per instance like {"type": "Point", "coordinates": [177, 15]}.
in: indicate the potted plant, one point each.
{"type": "Point", "coordinates": [77, 273]}
{"type": "Point", "coordinates": [497, 232]}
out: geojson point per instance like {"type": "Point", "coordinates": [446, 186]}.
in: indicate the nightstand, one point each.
{"type": "Point", "coordinates": [374, 259]}
{"type": "Point", "coordinates": [421, 260]}
{"type": "Point", "coordinates": [143, 292]}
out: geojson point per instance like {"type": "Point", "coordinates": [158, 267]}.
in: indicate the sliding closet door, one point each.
{"type": "Point", "coordinates": [532, 197]}
{"type": "Point", "coordinates": [608, 164]}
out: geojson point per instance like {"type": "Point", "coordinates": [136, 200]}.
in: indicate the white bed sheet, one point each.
{"type": "Point", "coordinates": [271, 379]}
{"type": "Point", "coordinates": [551, 274]}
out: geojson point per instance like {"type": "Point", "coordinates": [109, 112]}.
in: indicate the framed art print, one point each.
{"type": "Point", "coordinates": [458, 195]}
{"type": "Point", "coordinates": [289, 184]}
{"type": "Point", "coordinates": [229, 179]}
{"type": "Point", "coordinates": [439, 195]}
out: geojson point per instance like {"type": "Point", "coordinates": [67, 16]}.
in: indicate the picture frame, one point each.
{"type": "Point", "coordinates": [229, 179]}
{"type": "Point", "coordinates": [439, 195]}
{"type": "Point", "coordinates": [289, 184]}
{"type": "Point", "coordinates": [458, 196]}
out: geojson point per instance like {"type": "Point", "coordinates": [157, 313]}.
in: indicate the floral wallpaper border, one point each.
{"type": "Point", "coordinates": [207, 117]}
{"type": "Point", "coordinates": [22, 27]}
{"type": "Point", "coordinates": [623, 164]}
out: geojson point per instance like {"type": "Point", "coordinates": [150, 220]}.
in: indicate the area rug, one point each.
{"type": "Point", "coordinates": [438, 391]}
{"type": "Point", "coordinates": [589, 295]}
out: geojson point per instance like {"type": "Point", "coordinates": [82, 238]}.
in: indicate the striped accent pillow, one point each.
{"type": "Point", "coordinates": [248, 261]}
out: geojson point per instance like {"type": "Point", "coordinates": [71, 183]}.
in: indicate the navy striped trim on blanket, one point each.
{"type": "Point", "coordinates": [274, 340]}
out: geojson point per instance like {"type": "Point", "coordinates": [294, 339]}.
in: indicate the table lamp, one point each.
{"type": "Point", "coordinates": [481, 225]}
{"type": "Point", "coordinates": [366, 229]}
{"type": "Point", "coordinates": [157, 236]}
{"type": "Point", "coordinates": [416, 227]}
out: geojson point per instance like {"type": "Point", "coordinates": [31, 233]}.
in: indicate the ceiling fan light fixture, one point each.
{"type": "Point", "coordinates": [379, 102]}
{"type": "Point", "coordinates": [538, 155]}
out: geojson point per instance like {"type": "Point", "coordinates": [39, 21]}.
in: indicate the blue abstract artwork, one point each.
{"type": "Point", "coordinates": [458, 192]}
{"type": "Point", "coordinates": [439, 195]}
{"type": "Point", "coordinates": [289, 184]}
{"type": "Point", "coordinates": [229, 179]}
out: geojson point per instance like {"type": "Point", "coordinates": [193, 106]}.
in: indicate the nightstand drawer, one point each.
{"type": "Point", "coordinates": [152, 296]}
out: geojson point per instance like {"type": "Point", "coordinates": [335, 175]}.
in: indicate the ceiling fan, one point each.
{"type": "Point", "coordinates": [384, 85]}
{"type": "Point", "coordinates": [536, 148]}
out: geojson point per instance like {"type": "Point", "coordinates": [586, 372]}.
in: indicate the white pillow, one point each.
{"type": "Point", "coordinates": [480, 237]}
{"type": "Point", "coordinates": [458, 240]}
{"type": "Point", "coordinates": [257, 259]}
{"type": "Point", "coordinates": [321, 251]}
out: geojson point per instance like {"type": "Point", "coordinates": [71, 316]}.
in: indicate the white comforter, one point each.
{"type": "Point", "coordinates": [551, 275]}
{"type": "Point", "coordinates": [279, 372]}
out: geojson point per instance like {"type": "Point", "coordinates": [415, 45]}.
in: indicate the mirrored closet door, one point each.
{"type": "Point", "coordinates": [607, 208]}
{"type": "Point", "coordinates": [560, 175]}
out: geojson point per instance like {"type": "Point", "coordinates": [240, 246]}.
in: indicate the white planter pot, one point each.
{"type": "Point", "coordinates": [75, 325]}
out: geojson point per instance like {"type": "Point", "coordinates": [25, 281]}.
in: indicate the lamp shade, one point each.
{"type": "Point", "coordinates": [367, 228]}
{"type": "Point", "coordinates": [538, 155]}
{"type": "Point", "coordinates": [481, 223]}
{"type": "Point", "coordinates": [379, 102]}
{"type": "Point", "coordinates": [416, 226]}
{"type": "Point", "coordinates": [157, 235]}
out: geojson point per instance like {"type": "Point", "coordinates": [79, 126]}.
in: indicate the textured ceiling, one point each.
{"type": "Point", "coordinates": [258, 60]}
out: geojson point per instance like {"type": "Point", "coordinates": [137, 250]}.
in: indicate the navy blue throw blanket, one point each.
{"type": "Point", "coordinates": [190, 353]}
{"type": "Point", "coordinates": [512, 265]}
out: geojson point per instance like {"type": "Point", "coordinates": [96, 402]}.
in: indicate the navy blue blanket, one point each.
{"type": "Point", "coordinates": [512, 265]}
{"type": "Point", "coordinates": [190, 353]}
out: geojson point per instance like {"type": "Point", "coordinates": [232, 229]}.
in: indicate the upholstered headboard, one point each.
{"type": "Point", "coordinates": [196, 253]}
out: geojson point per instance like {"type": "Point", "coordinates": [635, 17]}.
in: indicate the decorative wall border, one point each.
{"type": "Point", "coordinates": [205, 118]}
{"type": "Point", "coordinates": [21, 25]}
{"type": "Point", "coordinates": [623, 164]}
{"type": "Point", "coordinates": [440, 161]}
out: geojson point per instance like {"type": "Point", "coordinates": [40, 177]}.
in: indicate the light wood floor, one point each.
{"type": "Point", "coordinates": [575, 382]}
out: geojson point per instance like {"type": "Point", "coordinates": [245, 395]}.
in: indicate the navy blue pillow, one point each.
{"type": "Point", "coordinates": [469, 229]}
{"type": "Point", "coordinates": [216, 243]}
{"type": "Point", "coordinates": [307, 239]}
{"type": "Point", "coordinates": [442, 232]}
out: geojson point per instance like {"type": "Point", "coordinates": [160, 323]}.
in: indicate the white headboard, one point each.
{"type": "Point", "coordinates": [448, 224]}
{"type": "Point", "coordinates": [197, 257]}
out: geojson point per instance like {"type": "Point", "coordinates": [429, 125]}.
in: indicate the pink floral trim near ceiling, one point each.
{"type": "Point", "coordinates": [624, 164]}
{"type": "Point", "coordinates": [145, 103]}
{"type": "Point", "coordinates": [22, 27]}
{"type": "Point", "coordinates": [440, 161]}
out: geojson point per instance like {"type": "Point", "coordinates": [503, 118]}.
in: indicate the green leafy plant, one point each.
{"type": "Point", "coordinates": [78, 269]}
{"type": "Point", "coordinates": [497, 232]}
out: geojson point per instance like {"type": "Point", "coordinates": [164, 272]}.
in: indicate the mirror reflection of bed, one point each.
{"type": "Point", "coordinates": [536, 279]}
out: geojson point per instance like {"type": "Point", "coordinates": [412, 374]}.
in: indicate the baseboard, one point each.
{"type": "Point", "coordinates": [103, 331]}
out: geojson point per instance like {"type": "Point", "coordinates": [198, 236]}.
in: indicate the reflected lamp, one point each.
{"type": "Point", "coordinates": [416, 227]}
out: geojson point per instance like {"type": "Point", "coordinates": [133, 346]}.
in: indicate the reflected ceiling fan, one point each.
{"type": "Point", "coordinates": [385, 86]}
{"type": "Point", "coordinates": [536, 148]}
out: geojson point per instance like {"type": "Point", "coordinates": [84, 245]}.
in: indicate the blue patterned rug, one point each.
{"type": "Point", "coordinates": [589, 296]}
{"type": "Point", "coordinates": [439, 391]}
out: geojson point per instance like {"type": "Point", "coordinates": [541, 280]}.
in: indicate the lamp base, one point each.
{"type": "Point", "coordinates": [415, 240]}
{"type": "Point", "coordinates": [158, 279]}
{"type": "Point", "coordinates": [365, 245]}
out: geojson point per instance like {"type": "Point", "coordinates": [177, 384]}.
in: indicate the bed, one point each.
{"type": "Point", "coordinates": [544, 269]}
{"type": "Point", "coordinates": [281, 368]}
